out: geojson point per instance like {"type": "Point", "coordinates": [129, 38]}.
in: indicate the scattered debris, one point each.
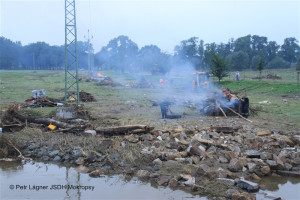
{"type": "Point", "coordinates": [107, 81]}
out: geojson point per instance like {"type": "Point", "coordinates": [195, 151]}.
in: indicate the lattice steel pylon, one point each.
{"type": "Point", "coordinates": [71, 58]}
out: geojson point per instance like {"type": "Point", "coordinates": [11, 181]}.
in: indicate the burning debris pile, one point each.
{"type": "Point", "coordinates": [107, 81]}
{"type": "Point", "coordinates": [143, 83]}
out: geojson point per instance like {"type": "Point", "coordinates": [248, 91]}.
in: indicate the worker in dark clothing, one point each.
{"type": "Point", "coordinates": [245, 106]}
{"type": "Point", "coordinates": [165, 107]}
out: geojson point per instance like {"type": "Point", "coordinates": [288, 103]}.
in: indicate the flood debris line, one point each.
{"type": "Point", "coordinates": [218, 161]}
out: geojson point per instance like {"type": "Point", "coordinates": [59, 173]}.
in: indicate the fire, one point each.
{"type": "Point", "coordinates": [100, 75]}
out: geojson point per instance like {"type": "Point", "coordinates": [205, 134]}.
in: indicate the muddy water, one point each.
{"type": "Point", "coordinates": [50, 181]}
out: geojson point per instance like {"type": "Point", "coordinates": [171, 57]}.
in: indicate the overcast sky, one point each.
{"type": "Point", "coordinates": [159, 22]}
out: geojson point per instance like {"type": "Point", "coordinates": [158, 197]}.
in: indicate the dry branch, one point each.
{"type": "Point", "coordinates": [123, 129]}
{"type": "Point", "coordinates": [238, 114]}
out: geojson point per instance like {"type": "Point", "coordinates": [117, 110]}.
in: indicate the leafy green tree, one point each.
{"type": "Point", "coordinates": [255, 62]}
{"type": "Point", "coordinates": [260, 66]}
{"type": "Point", "coordinates": [10, 53]}
{"type": "Point", "coordinates": [238, 60]}
{"type": "Point", "coordinates": [244, 44]}
{"type": "Point", "coordinates": [271, 50]}
{"type": "Point", "coordinates": [120, 54]}
{"type": "Point", "coordinates": [278, 63]}
{"type": "Point", "coordinates": [151, 59]}
{"type": "Point", "coordinates": [290, 50]}
{"type": "Point", "coordinates": [219, 66]}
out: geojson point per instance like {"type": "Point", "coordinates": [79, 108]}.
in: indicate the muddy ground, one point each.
{"type": "Point", "coordinates": [189, 153]}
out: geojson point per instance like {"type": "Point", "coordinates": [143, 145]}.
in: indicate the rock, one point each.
{"type": "Point", "coordinates": [272, 164]}
{"type": "Point", "coordinates": [132, 138]}
{"type": "Point", "coordinates": [234, 165]}
{"type": "Point", "coordinates": [195, 160]}
{"type": "Point", "coordinates": [143, 174]}
{"type": "Point", "coordinates": [146, 137]}
{"type": "Point", "coordinates": [54, 153]}
{"type": "Point", "coordinates": [80, 161]}
{"type": "Point", "coordinates": [154, 175]}
{"type": "Point", "coordinates": [232, 155]}
{"type": "Point", "coordinates": [156, 168]}
{"type": "Point", "coordinates": [57, 159]}
{"type": "Point", "coordinates": [263, 133]}
{"type": "Point", "coordinates": [266, 156]}
{"type": "Point", "coordinates": [82, 169]}
{"type": "Point", "coordinates": [287, 166]}
{"type": "Point", "coordinates": [252, 154]}
{"type": "Point", "coordinates": [190, 181]}
{"type": "Point", "coordinates": [289, 173]}
{"type": "Point", "coordinates": [202, 170]}
{"type": "Point", "coordinates": [183, 142]}
{"type": "Point", "coordinates": [265, 170]}
{"type": "Point", "coordinates": [91, 133]}
{"type": "Point", "coordinates": [157, 162]}
{"type": "Point", "coordinates": [96, 173]}
{"type": "Point", "coordinates": [287, 140]}
{"type": "Point", "coordinates": [220, 173]}
{"type": "Point", "coordinates": [114, 157]}
{"type": "Point", "coordinates": [164, 180]}
{"type": "Point", "coordinates": [222, 159]}
{"type": "Point", "coordinates": [230, 192]}
{"type": "Point", "coordinates": [248, 185]}
{"type": "Point", "coordinates": [243, 196]}
{"type": "Point", "coordinates": [173, 182]}
{"type": "Point", "coordinates": [255, 177]}
{"type": "Point", "coordinates": [204, 141]}
{"type": "Point", "coordinates": [227, 181]}
{"type": "Point", "coordinates": [297, 161]}
{"type": "Point", "coordinates": [194, 150]}
{"type": "Point", "coordinates": [91, 157]}
{"type": "Point", "coordinates": [45, 158]}
{"type": "Point", "coordinates": [251, 167]}
{"type": "Point", "coordinates": [159, 138]}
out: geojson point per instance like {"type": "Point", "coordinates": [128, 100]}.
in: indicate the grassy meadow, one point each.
{"type": "Point", "coordinates": [283, 95]}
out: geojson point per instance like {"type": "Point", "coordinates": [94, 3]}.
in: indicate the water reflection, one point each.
{"type": "Point", "coordinates": [35, 180]}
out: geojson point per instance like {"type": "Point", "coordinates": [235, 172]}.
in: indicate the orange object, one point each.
{"type": "Point", "coordinates": [161, 82]}
{"type": "Point", "coordinates": [52, 127]}
{"type": "Point", "coordinates": [100, 75]}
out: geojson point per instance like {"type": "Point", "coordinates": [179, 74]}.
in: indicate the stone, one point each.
{"type": "Point", "coordinates": [96, 173]}
{"type": "Point", "coordinates": [227, 181]}
{"type": "Point", "coordinates": [234, 165]}
{"type": "Point", "coordinates": [91, 157]}
{"type": "Point", "coordinates": [146, 137]}
{"type": "Point", "coordinates": [263, 133]}
{"type": "Point", "coordinates": [132, 138]}
{"type": "Point", "coordinates": [154, 175]}
{"type": "Point", "coordinates": [202, 170]}
{"type": "Point", "coordinates": [266, 156]}
{"type": "Point", "coordinates": [173, 183]}
{"type": "Point", "coordinates": [114, 157]}
{"type": "Point", "coordinates": [164, 180]}
{"type": "Point", "coordinates": [143, 174]}
{"type": "Point", "coordinates": [248, 185]}
{"type": "Point", "coordinates": [57, 159]}
{"type": "Point", "coordinates": [252, 154]}
{"type": "Point", "coordinates": [222, 159]}
{"type": "Point", "coordinates": [287, 166]}
{"type": "Point", "coordinates": [265, 170]}
{"type": "Point", "coordinates": [221, 173]}
{"type": "Point", "coordinates": [194, 150]}
{"type": "Point", "coordinates": [272, 164]}
{"type": "Point", "coordinates": [90, 133]}
{"type": "Point", "coordinates": [251, 167]}
{"type": "Point", "coordinates": [232, 155]}
{"type": "Point", "coordinates": [297, 161]}
{"type": "Point", "coordinates": [54, 153]}
{"type": "Point", "coordinates": [45, 158]}
{"type": "Point", "coordinates": [157, 162]}
{"type": "Point", "coordinates": [183, 142]}
{"type": "Point", "coordinates": [230, 192]}
{"type": "Point", "coordinates": [195, 160]}
{"type": "Point", "coordinates": [156, 168]}
{"type": "Point", "coordinates": [287, 140]}
{"type": "Point", "coordinates": [255, 177]}
{"type": "Point", "coordinates": [82, 169]}
{"type": "Point", "coordinates": [80, 161]}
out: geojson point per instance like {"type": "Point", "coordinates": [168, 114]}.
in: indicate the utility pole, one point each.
{"type": "Point", "coordinates": [90, 53]}
{"type": "Point", "coordinates": [71, 58]}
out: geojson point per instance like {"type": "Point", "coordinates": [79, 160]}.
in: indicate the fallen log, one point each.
{"type": "Point", "coordinates": [221, 109]}
{"type": "Point", "coordinates": [237, 114]}
{"type": "Point", "coordinates": [122, 130]}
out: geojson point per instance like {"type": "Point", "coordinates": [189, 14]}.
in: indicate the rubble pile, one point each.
{"type": "Point", "coordinates": [10, 121]}
{"type": "Point", "coordinates": [40, 102]}
{"type": "Point", "coordinates": [269, 76]}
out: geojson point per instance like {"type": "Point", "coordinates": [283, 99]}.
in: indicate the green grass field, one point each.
{"type": "Point", "coordinates": [16, 86]}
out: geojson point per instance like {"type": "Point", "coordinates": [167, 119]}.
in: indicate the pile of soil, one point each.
{"type": "Point", "coordinates": [86, 97]}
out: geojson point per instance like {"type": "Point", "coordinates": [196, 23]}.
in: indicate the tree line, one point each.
{"type": "Point", "coordinates": [122, 54]}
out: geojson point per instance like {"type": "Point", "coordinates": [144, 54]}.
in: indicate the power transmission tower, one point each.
{"type": "Point", "coordinates": [71, 58]}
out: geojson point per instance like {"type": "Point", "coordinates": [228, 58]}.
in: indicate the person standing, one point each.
{"type": "Point", "coordinates": [237, 76]}
{"type": "Point", "coordinates": [245, 106]}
